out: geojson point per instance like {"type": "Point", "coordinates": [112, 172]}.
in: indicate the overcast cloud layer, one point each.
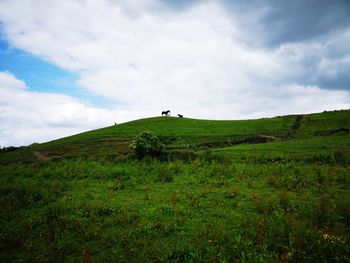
{"type": "Point", "coordinates": [203, 59]}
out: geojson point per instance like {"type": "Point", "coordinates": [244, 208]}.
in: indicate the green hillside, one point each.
{"type": "Point", "coordinates": [266, 190]}
{"type": "Point", "coordinates": [186, 133]}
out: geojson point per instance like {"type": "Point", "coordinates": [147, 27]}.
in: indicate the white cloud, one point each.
{"type": "Point", "coordinates": [148, 58]}
{"type": "Point", "coordinates": [28, 117]}
{"type": "Point", "coordinates": [8, 81]}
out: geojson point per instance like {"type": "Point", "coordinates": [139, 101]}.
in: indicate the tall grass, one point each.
{"type": "Point", "coordinates": [207, 209]}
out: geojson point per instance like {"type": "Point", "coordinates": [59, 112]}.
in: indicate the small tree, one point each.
{"type": "Point", "coordinates": [146, 144]}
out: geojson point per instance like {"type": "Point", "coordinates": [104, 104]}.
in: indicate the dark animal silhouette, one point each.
{"type": "Point", "coordinates": [180, 116]}
{"type": "Point", "coordinates": [115, 123]}
{"type": "Point", "coordinates": [166, 113]}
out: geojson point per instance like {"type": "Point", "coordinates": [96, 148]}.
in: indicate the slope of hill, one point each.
{"type": "Point", "coordinates": [227, 197]}
{"type": "Point", "coordinates": [187, 133]}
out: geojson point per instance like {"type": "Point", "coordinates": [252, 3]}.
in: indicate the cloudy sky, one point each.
{"type": "Point", "coordinates": [68, 66]}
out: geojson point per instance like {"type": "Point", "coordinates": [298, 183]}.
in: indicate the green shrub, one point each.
{"type": "Point", "coordinates": [146, 144]}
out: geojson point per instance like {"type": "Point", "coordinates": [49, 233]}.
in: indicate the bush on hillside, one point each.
{"type": "Point", "coordinates": [146, 144]}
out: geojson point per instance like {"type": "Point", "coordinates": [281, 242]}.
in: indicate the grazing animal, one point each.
{"type": "Point", "coordinates": [115, 123]}
{"type": "Point", "coordinates": [180, 116]}
{"type": "Point", "coordinates": [166, 113]}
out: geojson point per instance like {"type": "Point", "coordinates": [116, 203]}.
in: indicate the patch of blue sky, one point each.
{"type": "Point", "coordinates": [42, 76]}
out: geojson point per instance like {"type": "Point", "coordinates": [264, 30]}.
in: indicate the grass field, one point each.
{"type": "Point", "coordinates": [267, 190]}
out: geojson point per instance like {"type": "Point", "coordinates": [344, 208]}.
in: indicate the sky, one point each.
{"type": "Point", "coordinates": [68, 66]}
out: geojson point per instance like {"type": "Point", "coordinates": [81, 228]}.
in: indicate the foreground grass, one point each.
{"type": "Point", "coordinates": [207, 209]}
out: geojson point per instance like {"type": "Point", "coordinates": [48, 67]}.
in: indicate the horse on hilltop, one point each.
{"type": "Point", "coordinates": [166, 113]}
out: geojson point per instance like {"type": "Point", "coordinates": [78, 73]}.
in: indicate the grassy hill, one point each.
{"type": "Point", "coordinates": [266, 190]}
{"type": "Point", "coordinates": [186, 133]}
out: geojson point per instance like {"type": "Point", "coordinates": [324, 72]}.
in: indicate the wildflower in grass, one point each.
{"type": "Point", "coordinates": [333, 238]}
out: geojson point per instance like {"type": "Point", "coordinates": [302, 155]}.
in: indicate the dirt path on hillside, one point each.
{"type": "Point", "coordinates": [40, 156]}
{"type": "Point", "coordinates": [296, 125]}
{"type": "Point", "coordinates": [269, 137]}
